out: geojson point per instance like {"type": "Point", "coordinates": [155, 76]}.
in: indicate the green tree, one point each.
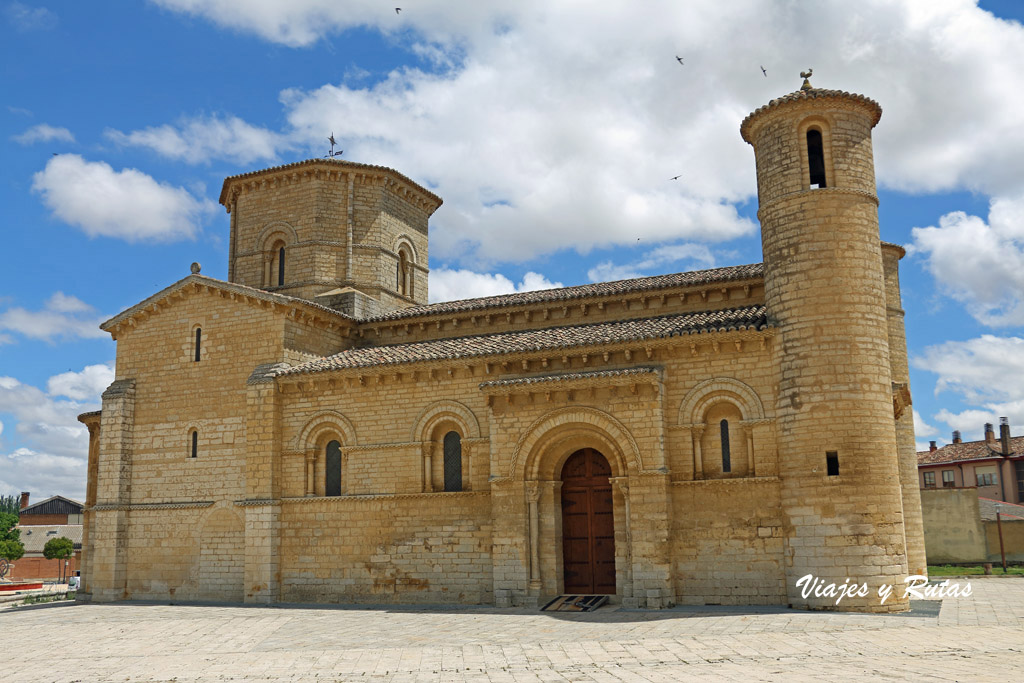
{"type": "Point", "coordinates": [10, 504]}
{"type": "Point", "coordinates": [59, 549]}
{"type": "Point", "coordinates": [11, 547]}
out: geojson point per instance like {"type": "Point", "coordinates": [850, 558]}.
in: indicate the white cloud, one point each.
{"type": "Point", "coordinates": [62, 317]}
{"type": "Point", "coordinates": [561, 127]}
{"type": "Point", "coordinates": [922, 428]}
{"type": "Point", "coordinates": [25, 18]}
{"type": "Point", "coordinates": [54, 446]}
{"type": "Point", "coordinates": [126, 204]}
{"type": "Point", "coordinates": [43, 132]}
{"type": "Point", "coordinates": [449, 285]}
{"type": "Point", "coordinates": [202, 139]}
{"type": "Point", "coordinates": [655, 262]}
{"type": "Point", "coordinates": [977, 263]}
{"type": "Point", "coordinates": [82, 386]}
{"type": "Point", "coordinates": [986, 372]}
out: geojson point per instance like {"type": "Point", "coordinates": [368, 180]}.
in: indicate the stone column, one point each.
{"type": "Point", "coordinates": [311, 473]}
{"type": "Point", "coordinates": [748, 431]}
{"type": "Point", "coordinates": [623, 485]}
{"type": "Point", "coordinates": [428, 467]}
{"type": "Point", "coordinates": [533, 501]}
{"type": "Point", "coordinates": [697, 431]}
{"type": "Point", "coordinates": [467, 465]}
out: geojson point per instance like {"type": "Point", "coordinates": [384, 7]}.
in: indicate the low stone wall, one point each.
{"type": "Point", "coordinates": [1013, 540]}
{"type": "Point", "coordinates": [953, 531]}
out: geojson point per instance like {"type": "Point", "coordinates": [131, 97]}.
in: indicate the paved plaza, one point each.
{"type": "Point", "coordinates": [980, 638]}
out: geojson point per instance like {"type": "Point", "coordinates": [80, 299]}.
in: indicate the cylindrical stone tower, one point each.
{"type": "Point", "coordinates": [825, 292]}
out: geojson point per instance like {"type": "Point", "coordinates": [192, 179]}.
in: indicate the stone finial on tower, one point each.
{"type": "Point", "coordinates": [806, 75]}
{"type": "Point", "coordinates": [195, 268]}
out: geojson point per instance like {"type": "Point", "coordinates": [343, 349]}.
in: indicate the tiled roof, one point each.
{"type": "Point", "coordinates": [811, 94]}
{"type": "Point", "coordinates": [969, 450]}
{"type": "Point", "coordinates": [245, 290]}
{"type": "Point", "coordinates": [987, 508]}
{"type": "Point", "coordinates": [313, 162]}
{"type": "Point", "coordinates": [614, 288]}
{"type": "Point", "coordinates": [568, 377]}
{"type": "Point", "coordinates": [751, 318]}
{"type": "Point", "coordinates": [35, 536]}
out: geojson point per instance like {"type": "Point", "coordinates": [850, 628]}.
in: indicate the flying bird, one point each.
{"type": "Point", "coordinates": [398, 10]}
{"type": "Point", "coordinates": [679, 59]}
{"type": "Point", "coordinates": [763, 71]}
{"type": "Point", "coordinates": [676, 177]}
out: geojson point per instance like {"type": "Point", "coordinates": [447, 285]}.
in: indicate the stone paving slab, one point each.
{"type": "Point", "coordinates": [978, 638]}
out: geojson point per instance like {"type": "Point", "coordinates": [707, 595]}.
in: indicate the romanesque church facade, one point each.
{"type": "Point", "coordinates": [312, 430]}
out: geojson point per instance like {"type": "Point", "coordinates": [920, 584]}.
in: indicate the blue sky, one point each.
{"type": "Point", "coordinates": [551, 130]}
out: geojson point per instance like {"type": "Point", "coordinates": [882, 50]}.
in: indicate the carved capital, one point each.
{"type": "Point", "coordinates": [533, 491]}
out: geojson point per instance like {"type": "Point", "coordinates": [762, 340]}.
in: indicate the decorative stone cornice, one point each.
{"type": "Point", "coordinates": [181, 505]}
{"type": "Point", "coordinates": [726, 482]}
{"type": "Point", "coordinates": [836, 99]}
{"type": "Point", "coordinates": [297, 309]}
{"type": "Point", "coordinates": [334, 170]}
{"type": "Point", "coordinates": [573, 380]}
{"type": "Point", "coordinates": [353, 498]}
{"type": "Point", "coordinates": [253, 502]}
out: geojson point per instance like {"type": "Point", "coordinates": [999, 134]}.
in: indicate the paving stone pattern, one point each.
{"type": "Point", "coordinates": [980, 638]}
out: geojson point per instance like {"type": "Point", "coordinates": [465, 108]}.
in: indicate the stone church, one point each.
{"type": "Point", "coordinates": [312, 430]}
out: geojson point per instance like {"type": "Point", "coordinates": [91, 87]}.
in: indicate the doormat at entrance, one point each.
{"type": "Point", "coordinates": [575, 603]}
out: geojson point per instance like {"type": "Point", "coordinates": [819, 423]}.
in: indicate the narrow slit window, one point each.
{"type": "Point", "coordinates": [280, 266]}
{"type": "Point", "coordinates": [452, 462]}
{"type": "Point", "coordinates": [816, 158]}
{"type": "Point", "coordinates": [199, 342]}
{"type": "Point", "coordinates": [832, 463]}
{"type": "Point", "coordinates": [195, 444]}
{"type": "Point", "coordinates": [726, 462]}
{"type": "Point", "coordinates": [332, 483]}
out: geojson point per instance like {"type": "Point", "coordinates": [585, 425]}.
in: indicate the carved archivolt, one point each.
{"type": "Point", "coordinates": [404, 240]}
{"type": "Point", "coordinates": [281, 228]}
{"type": "Point", "coordinates": [566, 429]}
{"type": "Point", "coordinates": [716, 390]}
{"type": "Point", "coordinates": [328, 422]}
{"type": "Point", "coordinates": [451, 411]}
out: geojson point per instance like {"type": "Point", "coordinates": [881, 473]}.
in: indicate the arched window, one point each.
{"type": "Point", "coordinates": [280, 266]}
{"type": "Point", "coordinates": [724, 451]}
{"type": "Point", "coordinates": [332, 483]}
{"type": "Point", "coordinates": [816, 158]}
{"type": "Point", "coordinates": [452, 462]}
{"type": "Point", "coordinates": [199, 343]}
{"type": "Point", "coordinates": [726, 464]}
{"type": "Point", "coordinates": [404, 274]}
{"type": "Point", "coordinates": [195, 444]}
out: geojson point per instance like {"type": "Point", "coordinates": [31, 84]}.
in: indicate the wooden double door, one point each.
{"type": "Point", "coordinates": [588, 528]}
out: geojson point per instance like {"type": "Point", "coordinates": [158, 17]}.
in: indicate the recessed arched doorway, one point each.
{"type": "Point", "coordinates": [588, 528]}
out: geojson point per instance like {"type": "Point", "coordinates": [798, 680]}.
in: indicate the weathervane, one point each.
{"type": "Point", "coordinates": [806, 75]}
{"type": "Point", "coordinates": [332, 153]}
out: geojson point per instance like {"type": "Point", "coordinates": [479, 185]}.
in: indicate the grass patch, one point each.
{"type": "Point", "coordinates": [972, 570]}
{"type": "Point", "coordinates": [53, 597]}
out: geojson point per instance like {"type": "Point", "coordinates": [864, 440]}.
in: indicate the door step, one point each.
{"type": "Point", "coordinates": [575, 603]}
